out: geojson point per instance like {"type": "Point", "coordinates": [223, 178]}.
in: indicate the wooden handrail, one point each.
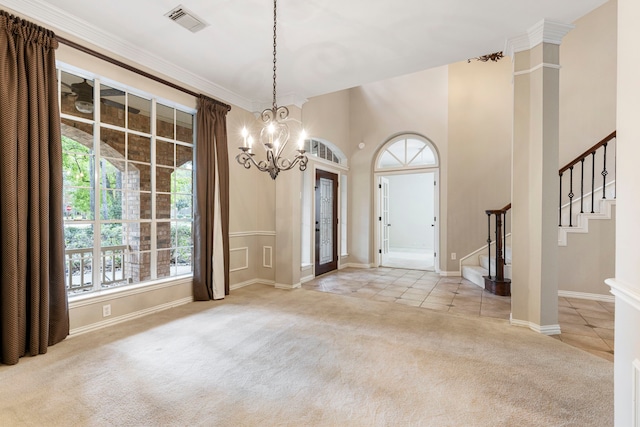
{"type": "Point", "coordinates": [498, 211]}
{"type": "Point", "coordinates": [586, 153]}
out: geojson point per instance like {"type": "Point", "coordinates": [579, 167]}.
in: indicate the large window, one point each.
{"type": "Point", "coordinates": [128, 202]}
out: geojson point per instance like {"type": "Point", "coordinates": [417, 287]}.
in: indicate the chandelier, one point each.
{"type": "Point", "coordinates": [274, 134]}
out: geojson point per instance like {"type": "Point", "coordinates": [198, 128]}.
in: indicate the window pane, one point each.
{"type": "Point", "coordinates": [139, 264]}
{"type": "Point", "coordinates": [182, 207]}
{"type": "Point", "coordinates": [111, 198]}
{"type": "Point", "coordinates": [181, 261]}
{"type": "Point", "coordinates": [138, 205]}
{"type": "Point", "coordinates": [78, 257]}
{"type": "Point", "coordinates": [398, 150]}
{"type": "Point", "coordinates": [388, 161]}
{"type": "Point", "coordinates": [184, 126]}
{"type": "Point", "coordinates": [139, 148]}
{"type": "Point", "coordinates": [184, 234]}
{"type": "Point", "coordinates": [163, 206]}
{"type": "Point", "coordinates": [80, 133]}
{"type": "Point", "coordinates": [113, 143]}
{"type": "Point", "coordinates": [163, 231]}
{"type": "Point", "coordinates": [138, 236]}
{"type": "Point", "coordinates": [139, 113]}
{"type": "Point", "coordinates": [164, 263]}
{"type": "Point", "coordinates": [184, 157]}
{"type": "Point", "coordinates": [163, 179]}
{"type": "Point", "coordinates": [139, 177]}
{"type": "Point", "coordinates": [76, 96]}
{"type": "Point", "coordinates": [111, 234]}
{"type": "Point", "coordinates": [164, 153]}
{"type": "Point", "coordinates": [182, 181]}
{"type": "Point", "coordinates": [77, 204]}
{"type": "Point", "coordinates": [164, 121]}
{"type": "Point", "coordinates": [112, 104]}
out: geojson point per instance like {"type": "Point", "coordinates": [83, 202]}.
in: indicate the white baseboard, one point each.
{"type": "Point", "coordinates": [286, 286]}
{"type": "Point", "coordinates": [544, 330]}
{"type": "Point", "coordinates": [251, 282]}
{"type": "Point", "coordinates": [124, 318]}
{"type": "Point", "coordinates": [450, 273]}
{"type": "Point", "coordinates": [355, 265]}
{"type": "Point", "coordinates": [306, 279]}
{"type": "Point", "coordinates": [583, 295]}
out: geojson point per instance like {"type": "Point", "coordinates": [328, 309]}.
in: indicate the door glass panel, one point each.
{"type": "Point", "coordinates": [326, 221]}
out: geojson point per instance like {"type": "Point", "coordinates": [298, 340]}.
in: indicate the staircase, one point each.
{"type": "Point", "coordinates": [577, 208]}
{"type": "Point", "coordinates": [475, 266]}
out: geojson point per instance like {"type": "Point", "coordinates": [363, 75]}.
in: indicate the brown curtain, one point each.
{"type": "Point", "coordinates": [33, 298]}
{"type": "Point", "coordinates": [211, 217]}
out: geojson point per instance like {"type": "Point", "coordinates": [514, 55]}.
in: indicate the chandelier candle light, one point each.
{"type": "Point", "coordinates": [275, 133]}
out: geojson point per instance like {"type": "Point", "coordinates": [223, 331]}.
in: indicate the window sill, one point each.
{"type": "Point", "coordinates": [124, 291]}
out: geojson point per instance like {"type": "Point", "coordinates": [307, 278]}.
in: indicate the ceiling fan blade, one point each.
{"type": "Point", "coordinates": [112, 92]}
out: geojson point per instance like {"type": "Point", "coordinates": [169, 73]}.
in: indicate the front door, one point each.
{"type": "Point", "coordinates": [326, 222]}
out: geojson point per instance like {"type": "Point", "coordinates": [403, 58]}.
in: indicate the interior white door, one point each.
{"type": "Point", "coordinates": [385, 224]}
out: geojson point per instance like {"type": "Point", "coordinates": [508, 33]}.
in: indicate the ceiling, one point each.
{"type": "Point", "coordinates": [323, 45]}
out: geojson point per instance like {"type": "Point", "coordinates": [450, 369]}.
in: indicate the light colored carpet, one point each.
{"type": "Point", "coordinates": [267, 357]}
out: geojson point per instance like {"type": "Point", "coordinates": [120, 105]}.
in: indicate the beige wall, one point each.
{"type": "Point", "coordinates": [414, 103]}
{"type": "Point", "coordinates": [588, 82]}
{"type": "Point", "coordinates": [479, 177]}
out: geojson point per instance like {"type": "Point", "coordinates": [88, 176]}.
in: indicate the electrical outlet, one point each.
{"type": "Point", "coordinates": [106, 310]}
{"type": "Point", "coordinates": [453, 256]}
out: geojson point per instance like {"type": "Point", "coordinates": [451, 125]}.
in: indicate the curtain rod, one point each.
{"type": "Point", "coordinates": [134, 69]}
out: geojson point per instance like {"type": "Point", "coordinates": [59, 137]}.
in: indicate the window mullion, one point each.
{"type": "Point", "coordinates": [154, 228]}
{"type": "Point", "coordinates": [97, 170]}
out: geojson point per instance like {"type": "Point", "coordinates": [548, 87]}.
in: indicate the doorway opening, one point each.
{"type": "Point", "coordinates": [407, 200]}
{"type": "Point", "coordinates": [408, 225]}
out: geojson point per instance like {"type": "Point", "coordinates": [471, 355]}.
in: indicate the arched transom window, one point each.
{"type": "Point", "coordinates": [407, 151]}
{"type": "Point", "coordinates": [324, 150]}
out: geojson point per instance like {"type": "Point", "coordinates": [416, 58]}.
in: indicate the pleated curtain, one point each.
{"type": "Point", "coordinates": [211, 216]}
{"type": "Point", "coordinates": [33, 299]}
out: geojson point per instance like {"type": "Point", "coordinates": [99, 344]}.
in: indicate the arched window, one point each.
{"type": "Point", "coordinates": [407, 152]}
{"type": "Point", "coordinates": [324, 150]}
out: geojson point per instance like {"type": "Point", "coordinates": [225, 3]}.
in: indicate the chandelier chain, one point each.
{"type": "Point", "coordinates": [275, 16]}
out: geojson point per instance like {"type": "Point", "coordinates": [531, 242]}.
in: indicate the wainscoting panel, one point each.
{"type": "Point", "coordinates": [239, 259]}
{"type": "Point", "coordinates": [267, 256]}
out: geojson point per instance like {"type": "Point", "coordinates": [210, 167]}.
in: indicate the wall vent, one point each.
{"type": "Point", "coordinates": [187, 19]}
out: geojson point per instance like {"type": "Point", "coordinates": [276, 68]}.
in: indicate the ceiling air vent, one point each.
{"type": "Point", "coordinates": [186, 19]}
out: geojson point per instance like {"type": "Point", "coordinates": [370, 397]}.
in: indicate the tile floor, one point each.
{"type": "Point", "coordinates": [585, 324]}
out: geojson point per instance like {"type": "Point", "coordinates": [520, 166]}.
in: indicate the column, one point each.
{"type": "Point", "coordinates": [626, 285]}
{"type": "Point", "coordinates": [288, 214]}
{"type": "Point", "coordinates": [534, 191]}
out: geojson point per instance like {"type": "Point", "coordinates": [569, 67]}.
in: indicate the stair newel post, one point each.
{"type": "Point", "coordinates": [604, 173]}
{"type": "Point", "coordinates": [504, 236]}
{"type": "Point", "coordinates": [499, 264]}
{"type": "Point", "coordinates": [571, 196]}
{"type": "Point", "coordinates": [560, 203]}
{"type": "Point", "coordinates": [497, 284]}
{"type": "Point", "coordinates": [489, 240]}
{"type": "Point", "coordinates": [581, 185]}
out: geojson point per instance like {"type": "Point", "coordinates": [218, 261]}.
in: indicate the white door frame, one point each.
{"type": "Point", "coordinates": [436, 210]}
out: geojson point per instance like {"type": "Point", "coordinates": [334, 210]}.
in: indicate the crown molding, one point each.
{"type": "Point", "coordinates": [542, 32]}
{"type": "Point", "coordinates": [60, 20]}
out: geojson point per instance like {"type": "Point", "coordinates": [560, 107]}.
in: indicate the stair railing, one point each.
{"type": "Point", "coordinates": [498, 284]}
{"type": "Point", "coordinates": [593, 156]}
